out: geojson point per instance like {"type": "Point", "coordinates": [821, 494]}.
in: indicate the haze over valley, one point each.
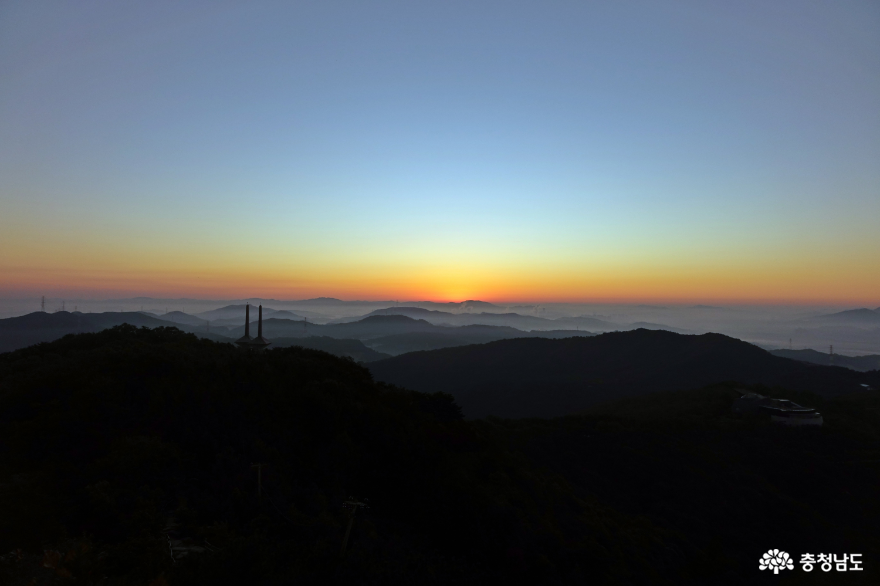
{"type": "Point", "coordinates": [851, 331]}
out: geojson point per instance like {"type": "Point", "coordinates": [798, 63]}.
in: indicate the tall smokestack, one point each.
{"type": "Point", "coordinates": [245, 341]}
{"type": "Point", "coordinates": [259, 342]}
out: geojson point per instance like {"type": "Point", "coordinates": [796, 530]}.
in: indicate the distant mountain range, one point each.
{"type": "Point", "coordinates": [365, 328]}
{"type": "Point", "coordinates": [238, 312]}
{"type": "Point", "coordinates": [544, 378]}
{"type": "Point", "coordinates": [863, 316]}
{"type": "Point", "coordinates": [519, 321]}
{"type": "Point", "coordinates": [860, 363]}
{"type": "Point", "coordinates": [182, 318]}
{"type": "Point", "coordinates": [396, 334]}
{"type": "Point", "coordinates": [453, 306]}
{"type": "Point", "coordinates": [859, 337]}
{"type": "Point", "coordinates": [514, 320]}
{"type": "Point", "coordinates": [366, 339]}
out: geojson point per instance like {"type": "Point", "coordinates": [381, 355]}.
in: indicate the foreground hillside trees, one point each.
{"type": "Point", "coordinates": [128, 457]}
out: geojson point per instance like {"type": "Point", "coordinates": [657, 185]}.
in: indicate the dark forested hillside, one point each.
{"type": "Point", "coordinates": [129, 457]}
{"type": "Point", "coordinates": [538, 378]}
{"type": "Point", "coordinates": [115, 444]}
{"type": "Point", "coordinates": [337, 347]}
{"type": "Point", "coordinates": [730, 488]}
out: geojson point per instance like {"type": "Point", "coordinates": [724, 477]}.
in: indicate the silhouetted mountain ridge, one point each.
{"type": "Point", "coordinates": [355, 349]}
{"type": "Point", "coordinates": [33, 328]}
{"type": "Point", "coordinates": [862, 315]}
{"type": "Point", "coordinates": [860, 363]}
{"type": "Point", "coordinates": [509, 319]}
{"type": "Point", "coordinates": [541, 377]}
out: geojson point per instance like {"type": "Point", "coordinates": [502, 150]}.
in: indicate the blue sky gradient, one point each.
{"type": "Point", "coordinates": [373, 149]}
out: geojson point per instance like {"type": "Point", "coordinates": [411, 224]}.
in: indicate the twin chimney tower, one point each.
{"type": "Point", "coordinates": [258, 343]}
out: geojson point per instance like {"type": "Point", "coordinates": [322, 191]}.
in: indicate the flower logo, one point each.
{"type": "Point", "coordinates": [775, 560]}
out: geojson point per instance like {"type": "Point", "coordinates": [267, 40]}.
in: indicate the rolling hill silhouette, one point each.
{"type": "Point", "coordinates": [369, 327]}
{"type": "Point", "coordinates": [452, 306]}
{"type": "Point", "coordinates": [396, 334]}
{"type": "Point", "coordinates": [535, 377]}
{"type": "Point", "coordinates": [237, 312]}
{"type": "Point", "coordinates": [860, 363]}
{"type": "Point", "coordinates": [459, 336]}
{"type": "Point", "coordinates": [179, 317]}
{"type": "Point", "coordinates": [514, 320]}
{"type": "Point", "coordinates": [852, 316]}
{"type": "Point", "coordinates": [355, 349]}
{"type": "Point", "coordinates": [33, 328]}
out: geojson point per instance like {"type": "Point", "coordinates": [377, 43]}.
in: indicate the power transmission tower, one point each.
{"type": "Point", "coordinates": [43, 304]}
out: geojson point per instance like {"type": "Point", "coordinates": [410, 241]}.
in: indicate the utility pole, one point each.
{"type": "Point", "coordinates": [831, 353]}
{"type": "Point", "coordinates": [353, 506]}
{"type": "Point", "coordinates": [43, 304]}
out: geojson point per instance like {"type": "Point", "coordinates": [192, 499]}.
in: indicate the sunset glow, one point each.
{"type": "Point", "coordinates": [679, 152]}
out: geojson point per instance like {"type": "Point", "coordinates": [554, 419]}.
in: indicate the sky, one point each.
{"type": "Point", "coordinates": [630, 151]}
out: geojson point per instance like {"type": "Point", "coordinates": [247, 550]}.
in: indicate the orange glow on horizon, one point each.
{"type": "Point", "coordinates": [600, 287]}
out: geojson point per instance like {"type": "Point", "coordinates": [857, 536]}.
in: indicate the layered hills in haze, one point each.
{"type": "Point", "coordinates": [367, 339]}
{"type": "Point", "coordinates": [396, 334]}
{"type": "Point", "coordinates": [863, 316]}
{"type": "Point", "coordinates": [515, 320]}
{"type": "Point", "coordinates": [860, 363]}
